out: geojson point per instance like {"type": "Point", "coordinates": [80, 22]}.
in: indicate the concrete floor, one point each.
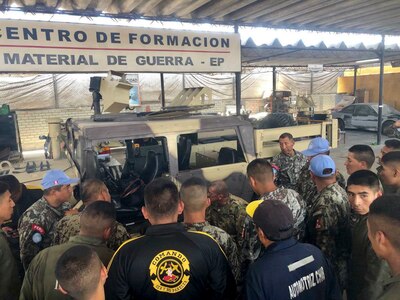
{"type": "Point", "coordinates": [355, 137]}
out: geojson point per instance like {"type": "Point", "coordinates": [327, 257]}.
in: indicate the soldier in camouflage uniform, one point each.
{"type": "Point", "coordinates": [92, 190]}
{"type": "Point", "coordinates": [193, 194]}
{"type": "Point", "coordinates": [40, 282]}
{"type": "Point", "coordinates": [305, 186]}
{"type": "Point", "coordinates": [226, 211]}
{"type": "Point", "coordinates": [36, 226]}
{"type": "Point", "coordinates": [261, 180]}
{"type": "Point", "coordinates": [289, 161]}
{"type": "Point", "coordinates": [328, 225]}
{"type": "Point", "coordinates": [390, 145]}
{"type": "Point", "coordinates": [389, 174]}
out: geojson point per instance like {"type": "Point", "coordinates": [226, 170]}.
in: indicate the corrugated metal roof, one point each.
{"type": "Point", "coordinates": [298, 55]}
{"type": "Point", "coordinates": [364, 16]}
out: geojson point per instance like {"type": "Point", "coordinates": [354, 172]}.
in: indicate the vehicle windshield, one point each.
{"type": "Point", "coordinates": [386, 109]}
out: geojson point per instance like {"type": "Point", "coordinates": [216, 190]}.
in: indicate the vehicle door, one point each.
{"type": "Point", "coordinates": [347, 115]}
{"type": "Point", "coordinates": [365, 117]}
{"type": "Point", "coordinates": [214, 155]}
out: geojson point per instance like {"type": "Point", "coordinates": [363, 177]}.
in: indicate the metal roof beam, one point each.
{"type": "Point", "coordinates": [298, 10]}
{"type": "Point", "coordinates": [392, 17]}
{"type": "Point", "coordinates": [211, 8]}
{"type": "Point", "coordinates": [148, 7]}
{"type": "Point", "coordinates": [189, 9]}
{"type": "Point", "coordinates": [128, 6]}
{"type": "Point", "coordinates": [363, 13]}
{"type": "Point", "coordinates": [232, 8]}
{"type": "Point", "coordinates": [343, 9]}
{"type": "Point", "coordinates": [258, 9]}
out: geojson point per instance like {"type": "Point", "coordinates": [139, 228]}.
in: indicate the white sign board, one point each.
{"type": "Point", "coordinates": [29, 46]}
{"type": "Point", "coordinates": [315, 68]}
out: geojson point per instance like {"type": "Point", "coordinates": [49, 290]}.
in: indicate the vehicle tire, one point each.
{"type": "Point", "coordinates": [276, 120]}
{"type": "Point", "coordinates": [387, 128]}
{"type": "Point", "coordinates": [341, 125]}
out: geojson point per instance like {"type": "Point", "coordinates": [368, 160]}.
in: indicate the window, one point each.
{"type": "Point", "coordinates": [207, 149]}
{"type": "Point", "coordinates": [364, 110]}
{"type": "Point", "coordinates": [348, 109]}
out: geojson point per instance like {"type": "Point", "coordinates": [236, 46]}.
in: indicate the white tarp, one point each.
{"type": "Point", "coordinates": [72, 90]}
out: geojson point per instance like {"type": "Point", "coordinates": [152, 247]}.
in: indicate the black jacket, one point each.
{"type": "Point", "coordinates": [169, 262]}
{"type": "Point", "coordinates": [291, 270]}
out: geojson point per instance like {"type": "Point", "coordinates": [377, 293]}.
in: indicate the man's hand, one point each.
{"type": "Point", "coordinates": [396, 124]}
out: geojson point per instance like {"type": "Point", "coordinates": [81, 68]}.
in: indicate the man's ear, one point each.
{"type": "Point", "coordinates": [106, 233]}
{"type": "Point", "coordinates": [252, 181]}
{"type": "Point", "coordinates": [260, 234]}
{"type": "Point", "coordinates": [208, 202]}
{"type": "Point", "coordinates": [181, 206]}
{"type": "Point", "coordinates": [103, 274]}
{"type": "Point", "coordinates": [145, 212]}
{"type": "Point", "coordinates": [60, 288]}
{"type": "Point", "coordinates": [364, 165]}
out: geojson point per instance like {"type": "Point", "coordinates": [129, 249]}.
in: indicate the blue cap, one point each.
{"type": "Point", "coordinates": [56, 177]}
{"type": "Point", "coordinates": [317, 146]}
{"type": "Point", "coordinates": [322, 166]}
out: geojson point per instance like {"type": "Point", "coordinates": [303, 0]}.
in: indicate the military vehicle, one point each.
{"type": "Point", "coordinates": [127, 150]}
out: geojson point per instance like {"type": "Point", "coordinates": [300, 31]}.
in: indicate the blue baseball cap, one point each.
{"type": "Point", "coordinates": [322, 166]}
{"type": "Point", "coordinates": [317, 146]}
{"type": "Point", "coordinates": [56, 177]}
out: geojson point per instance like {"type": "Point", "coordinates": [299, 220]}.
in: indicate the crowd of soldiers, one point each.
{"type": "Point", "coordinates": [309, 235]}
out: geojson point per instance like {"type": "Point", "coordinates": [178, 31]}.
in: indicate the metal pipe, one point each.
{"type": "Point", "coordinates": [273, 82]}
{"type": "Point", "coordinates": [381, 73]}
{"type": "Point", "coordinates": [238, 84]}
{"type": "Point", "coordinates": [312, 83]}
{"type": "Point", "coordinates": [57, 105]}
{"type": "Point", "coordinates": [355, 81]}
{"type": "Point", "coordinates": [162, 90]}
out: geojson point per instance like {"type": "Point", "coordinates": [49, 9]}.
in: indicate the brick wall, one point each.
{"type": "Point", "coordinates": [33, 123]}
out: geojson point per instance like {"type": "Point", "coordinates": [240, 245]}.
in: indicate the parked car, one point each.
{"type": "Point", "coordinates": [365, 116]}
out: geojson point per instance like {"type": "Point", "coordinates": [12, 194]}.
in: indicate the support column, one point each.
{"type": "Point", "coordinates": [273, 83]}
{"type": "Point", "coordinates": [238, 85]}
{"type": "Point", "coordinates": [55, 89]}
{"type": "Point", "coordinates": [162, 90]}
{"type": "Point", "coordinates": [381, 73]}
{"type": "Point", "coordinates": [312, 83]}
{"type": "Point", "coordinates": [355, 81]}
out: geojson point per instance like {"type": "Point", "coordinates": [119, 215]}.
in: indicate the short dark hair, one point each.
{"type": "Point", "coordinates": [91, 188]}
{"type": "Point", "coordinates": [363, 153]}
{"type": "Point", "coordinates": [393, 143]}
{"type": "Point", "coordinates": [260, 169]}
{"type": "Point", "coordinates": [96, 217]}
{"type": "Point", "coordinates": [78, 271]}
{"type": "Point", "coordinates": [364, 178]}
{"type": "Point", "coordinates": [4, 187]}
{"type": "Point", "coordinates": [194, 194]}
{"type": "Point", "coordinates": [13, 183]}
{"type": "Point", "coordinates": [384, 215]}
{"type": "Point", "coordinates": [220, 187]}
{"type": "Point", "coordinates": [391, 157]}
{"type": "Point", "coordinates": [286, 135]}
{"type": "Point", "coordinates": [161, 197]}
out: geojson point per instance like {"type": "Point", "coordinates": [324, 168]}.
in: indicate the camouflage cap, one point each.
{"type": "Point", "coordinates": [273, 217]}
